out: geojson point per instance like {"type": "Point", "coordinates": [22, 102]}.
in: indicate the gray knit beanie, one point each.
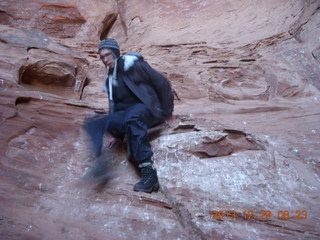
{"type": "Point", "coordinates": [111, 45]}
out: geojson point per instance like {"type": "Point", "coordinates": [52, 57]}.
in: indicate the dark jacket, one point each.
{"type": "Point", "coordinates": [151, 87]}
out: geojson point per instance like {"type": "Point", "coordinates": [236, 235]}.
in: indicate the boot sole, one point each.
{"type": "Point", "coordinates": [148, 190]}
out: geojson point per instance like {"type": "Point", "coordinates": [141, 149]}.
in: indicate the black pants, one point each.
{"type": "Point", "coordinates": [133, 122]}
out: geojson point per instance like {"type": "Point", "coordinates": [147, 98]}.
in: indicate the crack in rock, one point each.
{"type": "Point", "coordinates": [183, 215]}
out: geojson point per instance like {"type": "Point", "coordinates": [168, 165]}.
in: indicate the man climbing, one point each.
{"type": "Point", "coordinates": [139, 98]}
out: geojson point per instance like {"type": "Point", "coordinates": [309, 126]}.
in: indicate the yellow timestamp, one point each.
{"type": "Point", "coordinates": [259, 215]}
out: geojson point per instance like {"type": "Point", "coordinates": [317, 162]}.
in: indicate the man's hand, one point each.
{"type": "Point", "coordinates": [113, 142]}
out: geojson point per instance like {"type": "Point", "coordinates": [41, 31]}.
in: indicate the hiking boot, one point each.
{"type": "Point", "coordinates": [149, 181]}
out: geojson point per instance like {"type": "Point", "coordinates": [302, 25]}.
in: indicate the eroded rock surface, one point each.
{"type": "Point", "coordinates": [241, 162]}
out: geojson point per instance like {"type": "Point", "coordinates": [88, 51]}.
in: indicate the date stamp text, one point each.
{"type": "Point", "coordinates": [259, 215]}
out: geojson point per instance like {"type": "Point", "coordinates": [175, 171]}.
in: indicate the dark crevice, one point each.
{"type": "Point", "coordinates": [22, 100]}
{"type": "Point", "coordinates": [108, 23]}
{"type": "Point", "coordinates": [31, 48]}
{"type": "Point", "coordinates": [315, 55]}
{"type": "Point", "coordinates": [86, 83]}
{"type": "Point", "coordinates": [3, 41]}
{"type": "Point", "coordinates": [178, 45]}
{"type": "Point", "coordinates": [248, 60]}
{"type": "Point", "coordinates": [176, 95]}
{"type": "Point", "coordinates": [185, 128]}
{"type": "Point", "coordinates": [216, 61]}
{"type": "Point", "coordinates": [261, 110]}
{"type": "Point", "coordinates": [5, 18]}
{"type": "Point", "coordinates": [200, 52]}
{"type": "Point", "coordinates": [224, 67]}
{"type": "Point", "coordinates": [155, 202]}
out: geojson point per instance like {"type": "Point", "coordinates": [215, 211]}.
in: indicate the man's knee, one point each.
{"type": "Point", "coordinates": [135, 128]}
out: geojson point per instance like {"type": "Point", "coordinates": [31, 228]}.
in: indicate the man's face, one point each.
{"type": "Point", "coordinates": [107, 57]}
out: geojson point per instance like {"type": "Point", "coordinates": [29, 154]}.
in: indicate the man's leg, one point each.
{"type": "Point", "coordinates": [137, 120]}
{"type": "Point", "coordinates": [97, 127]}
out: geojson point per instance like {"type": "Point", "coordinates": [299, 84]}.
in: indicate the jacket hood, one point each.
{"type": "Point", "coordinates": [129, 59]}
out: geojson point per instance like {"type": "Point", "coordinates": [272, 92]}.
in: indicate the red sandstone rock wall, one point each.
{"type": "Point", "coordinates": [246, 81]}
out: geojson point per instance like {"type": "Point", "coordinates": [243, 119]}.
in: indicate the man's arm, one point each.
{"type": "Point", "coordinates": [161, 86]}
